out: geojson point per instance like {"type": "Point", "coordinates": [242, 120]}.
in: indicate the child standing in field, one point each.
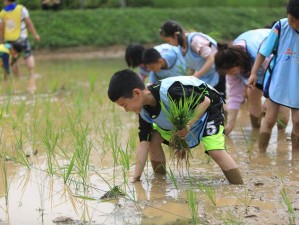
{"type": "Point", "coordinates": [281, 86]}
{"type": "Point", "coordinates": [133, 57]}
{"type": "Point", "coordinates": [14, 21]}
{"type": "Point", "coordinates": [127, 90]}
{"type": "Point", "coordinates": [236, 61]}
{"type": "Point", "coordinates": [198, 50]}
{"type": "Point", "coordinates": [164, 61]}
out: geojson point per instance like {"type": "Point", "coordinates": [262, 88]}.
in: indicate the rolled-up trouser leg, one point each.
{"type": "Point", "coordinates": [264, 139]}
{"type": "Point", "coordinates": [159, 167]}
{"type": "Point", "coordinates": [233, 176]}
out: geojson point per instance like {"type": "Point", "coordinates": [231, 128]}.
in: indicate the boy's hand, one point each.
{"type": "Point", "coordinates": [182, 133]}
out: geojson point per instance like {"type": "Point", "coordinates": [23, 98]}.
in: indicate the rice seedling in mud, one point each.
{"type": "Point", "coordinates": [209, 191]}
{"type": "Point", "coordinates": [20, 115]}
{"type": "Point", "coordinates": [50, 139]}
{"type": "Point", "coordinates": [82, 150]}
{"type": "Point", "coordinates": [179, 113]}
{"type": "Point", "coordinates": [193, 206]}
{"type": "Point", "coordinates": [124, 159]}
{"type": "Point", "coordinates": [246, 198]}
{"type": "Point", "coordinates": [92, 80]}
{"type": "Point", "coordinates": [249, 143]}
{"type": "Point", "coordinates": [172, 177]}
{"type": "Point", "coordinates": [5, 180]}
{"type": "Point", "coordinates": [287, 201]}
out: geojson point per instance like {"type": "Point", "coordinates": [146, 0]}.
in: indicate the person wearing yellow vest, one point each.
{"type": "Point", "coordinates": [14, 21]}
{"type": "Point", "coordinates": [7, 52]}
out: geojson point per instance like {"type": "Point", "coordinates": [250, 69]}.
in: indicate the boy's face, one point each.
{"type": "Point", "coordinates": [133, 104]}
{"type": "Point", "coordinates": [234, 70]}
{"type": "Point", "coordinates": [293, 22]}
{"type": "Point", "coordinates": [14, 53]}
{"type": "Point", "coordinates": [156, 67]}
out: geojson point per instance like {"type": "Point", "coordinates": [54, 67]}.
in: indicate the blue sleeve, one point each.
{"type": "Point", "coordinates": [5, 61]}
{"type": "Point", "coordinates": [271, 42]}
{"type": "Point", "coordinates": [170, 56]}
{"type": "Point", "coordinates": [152, 77]}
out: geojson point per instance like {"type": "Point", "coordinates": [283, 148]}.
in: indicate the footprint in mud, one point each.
{"type": "Point", "coordinates": [64, 220]}
{"type": "Point", "coordinates": [113, 193]}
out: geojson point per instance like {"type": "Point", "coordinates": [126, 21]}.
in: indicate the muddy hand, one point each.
{"type": "Point", "coordinates": [182, 133]}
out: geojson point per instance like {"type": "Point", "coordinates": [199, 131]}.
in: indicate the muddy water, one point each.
{"type": "Point", "coordinates": [71, 104]}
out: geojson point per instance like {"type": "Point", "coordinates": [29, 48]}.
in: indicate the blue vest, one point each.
{"type": "Point", "coordinates": [253, 41]}
{"type": "Point", "coordinates": [175, 62]}
{"type": "Point", "coordinates": [194, 137]}
{"type": "Point", "coordinates": [196, 62]}
{"type": "Point", "coordinates": [285, 76]}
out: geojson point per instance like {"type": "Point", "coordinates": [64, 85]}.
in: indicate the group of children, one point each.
{"type": "Point", "coordinates": [194, 64]}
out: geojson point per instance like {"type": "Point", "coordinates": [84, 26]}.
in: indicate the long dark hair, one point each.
{"type": "Point", "coordinates": [228, 57]}
{"type": "Point", "coordinates": [172, 29]}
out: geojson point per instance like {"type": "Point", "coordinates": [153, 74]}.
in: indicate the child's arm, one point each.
{"type": "Point", "coordinates": [31, 28]}
{"type": "Point", "coordinates": [206, 67]}
{"type": "Point", "coordinates": [141, 157]}
{"type": "Point", "coordinates": [257, 64]}
{"type": "Point", "coordinates": [200, 110]}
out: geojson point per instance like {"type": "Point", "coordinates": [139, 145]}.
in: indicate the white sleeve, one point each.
{"type": "Point", "coordinates": [25, 13]}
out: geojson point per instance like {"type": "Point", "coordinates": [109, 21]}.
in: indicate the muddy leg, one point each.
{"type": "Point", "coordinates": [233, 176]}
{"type": "Point", "coordinates": [159, 167]}
{"type": "Point", "coordinates": [255, 121]}
{"type": "Point", "coordinates": [295, 142]}
{"type": "Point", "coordinates": [283, 117]}
{"type": "Point", "coordinates": [264, 139]}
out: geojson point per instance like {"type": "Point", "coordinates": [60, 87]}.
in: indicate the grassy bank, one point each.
{"type": "Point", "coordinates": [104, 27]}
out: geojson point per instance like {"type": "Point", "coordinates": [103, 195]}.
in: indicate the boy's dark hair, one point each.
{"type": "Point", "coordinates": [151, 55]}
{"type": "Point", "coordinates": [229, 57]}
{"type": "Point", "coordinates": [122, 84]}
{"type": "Point", "coordinates": [293, 8]}
{"type": "Point", "coordinates": [171, 29]}
{"type": "Point", "coordinates": [133, 55]}
{"type": "Point", "coordinates": [17, 46]}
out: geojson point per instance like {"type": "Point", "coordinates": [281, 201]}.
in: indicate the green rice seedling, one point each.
{"type": "Point", "coordinates": [67, 170]}
{"type": "Point", "coordinates": [82, 151]}
{"type": "Point", "coordinates": [288, 203]}
{"type": "Point", "coordinates": [19, 156]}
{"type": "Point", "coordinates": [113, 139]}
{"type": "Point", "coordinates": [246, 199]}
{"type": "Point", "coordinates": [249, 144]}
{"type": "Point", "coordinates": [78, 105]}
{"type": "Point", "coordinates": [5, 181]}
{"type": "Point", "coordinates": [31, 132]}
{"type": "Point", "coordinates": [124, 159]}
{"type": "Point", "coordinates": [193, 206]}
{"type": "Point", "coordinates": [54, 85]}
{"type": "Point", "coordinates": [281, 123]}
{"type": "Point", "coordinates": [92, 81]}
{"type": "Point", "coordinates": [132, 140]}
{"type": "Point", "coordinates": [2, 111]}
{"type": "Point", "coordinates": [50, 139]}
{"type": "Point", "coordinates": [179, 114]}
{"type": "Point", "coordinates": [209, 191]}
{"type": "Point", "coordinates": [172, 178]}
